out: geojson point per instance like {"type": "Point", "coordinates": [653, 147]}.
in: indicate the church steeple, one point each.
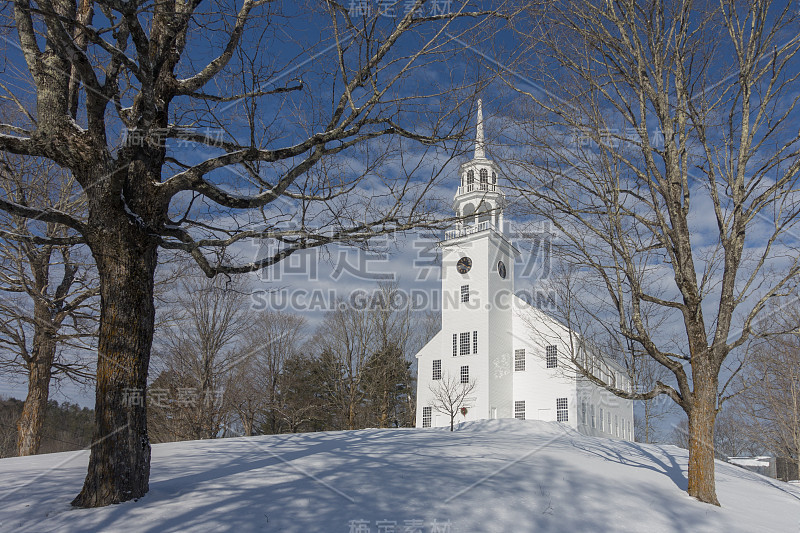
{"type": "Point", "coordinates": [479, 199]}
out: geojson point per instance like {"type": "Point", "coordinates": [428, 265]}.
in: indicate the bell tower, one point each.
{"type": "Point", "coordinates": [479, 200]}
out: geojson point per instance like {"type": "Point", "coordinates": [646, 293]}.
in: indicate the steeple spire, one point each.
{"type": "Point", "coordinates": [480, 145]}
{"type": "Point", "coordinates": [479, 201]}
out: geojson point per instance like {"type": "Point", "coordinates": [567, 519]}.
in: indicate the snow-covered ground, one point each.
{"type": "Point", "coordinates": [502, 475]}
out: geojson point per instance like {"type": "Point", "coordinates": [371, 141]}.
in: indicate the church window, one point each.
{"type": "Point", "coordinates": [519, 360]}
{"type": "Point", "coordinates": [609, 423]}
{"type": "Point", "coordinates": [602, 420]}
{"type": "Point", "coordinates": [474, 342]}
{"type": "Point", "coordinates": [470, 177]}
{"type": "Point", "coordinates": [464, 344]}
{"type": "Point", "coordinates": [552, 356]}
{"type": "Point", "coordinates": [437, 369]}
{"type": "Point", "coordinates": [630, 436]}
{"type": "Point", "coordinates": [494, 178]}
{"type": "Point", "coordinates": [616, 426]}
{"type": "Point", "coordinates": [583, 413]}
{"type": "Point", "coordinates": [562, 413]}
{"type": "Point", "coordinates": [519, 410]}
{"type": "Point", "coordinates": [455, 344]}
{"type": "Point", "coordinates": [591, 414]}
{"type": "Point", "coordinates": [427, 414]}
{"type": "Point", "coordinates": [465, 293]}
{"type": "Point", "coordinates": [484, 178]}
{"type": "Point", "coordinates": [464, 374]}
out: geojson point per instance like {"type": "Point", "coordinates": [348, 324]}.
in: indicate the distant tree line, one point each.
{"type": "Point", "coordinates": [67, 426]}
{"type": "Point", "coordinates": [223, 369]}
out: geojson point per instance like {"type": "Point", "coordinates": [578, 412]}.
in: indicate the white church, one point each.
{"type": "Point", "coordinates": [515, 357]}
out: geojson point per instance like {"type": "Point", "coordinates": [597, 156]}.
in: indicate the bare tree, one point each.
{"type": "Point", "coordinates": [201, 347]}
{"type": "Point", "coordinates": [731, 438]}
{"type": "Point", "coordinates": [219, 150]}
{"type": "Point", "coordinates": [344, 343]}
{"type": "Point", "coordinates": [665, 154]}
{"type": "Point", "coordinates": [654, 410]}
{"type": "Point", "coordinates": [48, 304]}
{"type": "Point", "coordinates": [274, 338]}
{"type": "Point", "coordinates": [244, 398]}
{"type": "Point", "coordinates": [768, 408]}
{"type": "Point", "coordinates": [270, 389]}
{"type": "Point", "coordinates": [450, 395]}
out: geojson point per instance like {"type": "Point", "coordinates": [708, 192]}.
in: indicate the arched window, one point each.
{"type": "Point", "coordinates": [484, 178]}
{"type": "Point", "coordinates": [494, 178]}
{"type": "Point", "coordinates": [470, 177]}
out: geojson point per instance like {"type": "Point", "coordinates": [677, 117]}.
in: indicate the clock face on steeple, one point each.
{"type": "Point", "coordinates": [501, 269]}
{"type": "Point", "coordinates": [463, 265]}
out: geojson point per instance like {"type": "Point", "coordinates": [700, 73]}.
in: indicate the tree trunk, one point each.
{"type": "Point", "coordinates": [351, 415]}
{"type": "Point", "coordinates": [384, 415]}
{"type": "Point", "coordinates": [247, 418]}
{"type": "Point", "coordinates": [119, 465]}
{"type": "Point", "coordinates": [701, 441]}
{"type": "Point", "coordinates": [273, 401]}
{"type": "Point", "coordinates": [29, 427]}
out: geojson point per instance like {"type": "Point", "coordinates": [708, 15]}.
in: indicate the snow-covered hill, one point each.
{"type": "Point", "coordinates": [502, 475]}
